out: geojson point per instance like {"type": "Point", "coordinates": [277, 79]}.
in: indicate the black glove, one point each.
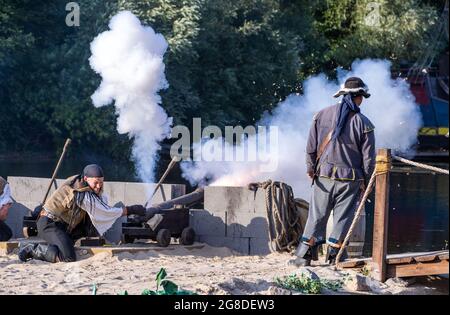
{"type": "Point", "coordinates": [136, 210]}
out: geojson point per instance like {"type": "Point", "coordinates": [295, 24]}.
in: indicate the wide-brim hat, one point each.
{"type": "Point", "coordinates": [355, 86]}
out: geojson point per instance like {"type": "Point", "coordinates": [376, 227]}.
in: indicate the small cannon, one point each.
{"type": "Point", "coordinates": [170, 219]}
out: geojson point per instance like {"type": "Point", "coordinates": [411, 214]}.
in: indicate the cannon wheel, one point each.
{"type": "Point", "coordinates": [163, 237]}
{"type": "Point", "coordinates": [127, 239]}
{"type": "Point", "coordinates": [187, 236]}
{"type": "Point", "coordinates": [29, 232]}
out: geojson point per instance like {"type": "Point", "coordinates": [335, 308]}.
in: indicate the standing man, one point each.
{"type": "Point", "coordinates": [340, 160]}
{"type": "Point", "coordinates": [5, 203]}
{"type": "Point", "coordinates": [78, 208]}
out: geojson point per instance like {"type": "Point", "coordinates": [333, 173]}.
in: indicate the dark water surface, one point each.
{"type": "Point", "coordinates": [418, 212]}
{"type": "Point", "coordinates": [419, 201]}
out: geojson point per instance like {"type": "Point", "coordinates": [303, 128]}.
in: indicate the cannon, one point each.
{"type": "Point", "coordinates": [172, 222]}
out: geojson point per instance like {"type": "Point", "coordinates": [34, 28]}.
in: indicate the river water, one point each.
{"type": "Point", "coordinates": [419, 201]}
{"type": "Point", "coordinates": [418, 212]}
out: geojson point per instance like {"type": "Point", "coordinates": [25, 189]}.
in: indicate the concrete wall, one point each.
{"type": "Point", "coordinates": [29, 193]}
{"type": "Point", "coordinates": [233, 217]}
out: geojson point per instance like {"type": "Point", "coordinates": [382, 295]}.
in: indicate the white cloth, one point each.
{"type": "Point", "coordinates": [6, 198]}
{"type": "Point", "coordinates": [102, 216]}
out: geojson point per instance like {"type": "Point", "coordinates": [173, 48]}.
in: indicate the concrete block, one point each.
{"type": "Point", "coordinates": [246, 224]}
{"type": "Point", "coordinates": [234, 200]}
{"type": "Point", "coordinates": [138, 193]}
{"type": "Point", "coordinates": [28, 189]}
{"type": "Point", "coordinates": [207, 224]}
{"type": "Point", "coordinates": [260, 246]}
{"type": "Point", "coordinates": [241, 245]}
{"type": "Point", "coordinates": [115, 192]}
{"type": "Point", "coordinates": [114, 234]}
{"type": "Point", "coordinates": [16, 214]}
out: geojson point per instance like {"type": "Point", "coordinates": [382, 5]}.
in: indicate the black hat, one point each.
{"type": "Point", "coordinates": [93, 170]}
{"type": "Point", "coordinates": [354, 86]}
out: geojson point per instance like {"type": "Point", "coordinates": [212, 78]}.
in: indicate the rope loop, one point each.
{"type": "Point", "coordinates": [286, 215]}
{"type": "Point", "coordinates": [383, 165]}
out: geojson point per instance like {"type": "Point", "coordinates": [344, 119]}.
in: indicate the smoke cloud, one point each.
{"type": "Point", "coordinates": [129, 58]}
{"type": "Point", "coordinates": [391, 108]}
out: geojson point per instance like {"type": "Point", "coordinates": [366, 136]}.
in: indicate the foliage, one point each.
{"type": "Point", "coordinates": [398, 30]}
{"type": "Point", "coordinates": [307, 285]}
{"type": "Point", "coordinates": [365, 271]}
{"type": "Point", "coordinates": [169, 287]}
{"type": "Point", "coordinates": [228, 62]}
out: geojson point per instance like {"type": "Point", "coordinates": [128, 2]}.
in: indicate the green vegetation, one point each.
{"type": "Point", "coordinates": [228, 63]}
{"type": "Point", "coordinates": [168, 287]}
{"type": "Point", "coordinates": [307, 285]}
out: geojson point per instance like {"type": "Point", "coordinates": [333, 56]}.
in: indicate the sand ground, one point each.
{"type": "Point", "coordinates": [206, 270]}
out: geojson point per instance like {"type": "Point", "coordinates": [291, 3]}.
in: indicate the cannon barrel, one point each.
{"type": "Point", "coordinates": [186, 201]}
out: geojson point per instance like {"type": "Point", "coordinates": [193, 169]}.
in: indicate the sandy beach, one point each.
{"type": "Point", "coordinates": [206, 270]}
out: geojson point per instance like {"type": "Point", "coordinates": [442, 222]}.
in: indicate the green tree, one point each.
{"type": "Point", "coordinates": [398, 30]}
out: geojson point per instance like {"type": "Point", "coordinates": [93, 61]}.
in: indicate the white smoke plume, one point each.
{"type": "Point", "coordinates": [129, 58]}
{"type": "Point", "coordinates": [391, 108]}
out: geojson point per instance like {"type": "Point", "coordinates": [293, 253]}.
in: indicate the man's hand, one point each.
{"type": "Point", "coordinates": [310, 174]}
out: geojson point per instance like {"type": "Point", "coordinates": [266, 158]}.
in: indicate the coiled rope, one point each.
{"type": "Point", "coordinates": [286, 215]}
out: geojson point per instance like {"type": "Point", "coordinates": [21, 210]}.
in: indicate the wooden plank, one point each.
{"type": "Point", "coordinates": [417, 269]}
{"type": "Point", "coordinates": [399, 260]}
{"type": "Point", "coordinates": [443, 256]}
{"type": "Point", "coordinates": [381, 214]}
{"type": "Point", "coordinates": [114, 250]}
{"type": "Point", "coordinates": [426, 258]}
{"type": "Point", "coordinates": [405, 258]}
{"type": "Point", "coordinates": [355, 263]}
{"type": "Point", "coordinates": [8, 247]}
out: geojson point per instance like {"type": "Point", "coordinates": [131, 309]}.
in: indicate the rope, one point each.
{"type": "Point", "coordinates": [383, 165]}
{"type": "Point", "coordinates": [357, 215]}
{"type": "Point", "coordinates": [420, 165]}
{"type": "Point", "coordinates": [284, 214]}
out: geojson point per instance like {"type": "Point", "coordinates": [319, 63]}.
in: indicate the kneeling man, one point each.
{"type": "Point", "coordinates": [77, 209]}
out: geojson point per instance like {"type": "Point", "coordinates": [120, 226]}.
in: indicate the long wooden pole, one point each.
{"type": "Point", "coordinates": [381, 215]}
{"type": "Point", "coordinates": [172, 163]}
{"type": "Point", "coordinates": [55, 172]}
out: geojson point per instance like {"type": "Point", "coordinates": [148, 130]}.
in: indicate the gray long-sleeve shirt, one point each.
{"type": "Point", "coordinates": [351, 156]}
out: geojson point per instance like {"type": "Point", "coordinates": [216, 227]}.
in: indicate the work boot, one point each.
{"type": "Point", "coordinates": [43, 252]}
{"type": "Point", "coordinates": [332, 253]}
{"type": "Point", "coordinates": [304, 258]}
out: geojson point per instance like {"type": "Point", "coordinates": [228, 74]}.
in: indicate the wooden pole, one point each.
{"type": "Point", "coordinates": [172, 163]}
{"type": "Point", "coordinates": [55, 172]}
{"type": "Point", "coordinates": [381, 215]}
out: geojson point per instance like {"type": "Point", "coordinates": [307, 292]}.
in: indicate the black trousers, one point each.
{"type": "Point", "coordinates": [5, 232]}
{"type": "Point", "coordinates": [55, 233]}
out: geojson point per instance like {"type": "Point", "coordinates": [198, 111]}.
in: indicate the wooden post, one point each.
{"type": "Point", "coordinates": [381, 215]}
